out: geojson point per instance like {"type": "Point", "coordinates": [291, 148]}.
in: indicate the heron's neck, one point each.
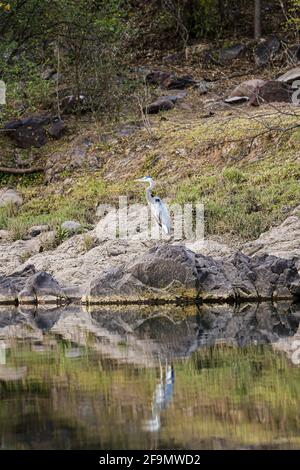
{"type": "Point", "coordinates": [149, 195]}
{"type": "Point", "coordinates": [151, 185]}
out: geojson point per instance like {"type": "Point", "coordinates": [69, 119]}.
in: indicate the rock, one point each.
{"type": "Point", "coordinates": [282, 241]}
{"type": "Point", "coordinates": [28, 136]}
{"type": "Point", "coordinates": [266, 50]}
{"type": "Point", "coordinates": [57, 129]}
{"type": "Point", "coordinates": [38, 229]}
{"type": "Point", "coordinates": [179, 83]}
{"type": "Point", "coordinates": [237, 100]}
{"type": "Point", "coordinates": [247, 88]}
{"type": "Point", "coordinates": [168, 272]}
{"type": "Point", "coordinates": [230, 53]}
{"type": "Point", "coordinates": [175, 96]}
{"type": "Point", "coordinates": [4, 235]}
{"type": "Point", "coordinates": [161, 104]}
{"type": "Point", "coordinates": [41, 288]}
{"type": "Point", "coordinates": [10, 196]}
{"type": "Point", "coordinates": [165, 103]}
{"type": "Point", "coordinates": [71, 226]}
{"type": "Point", "coordinates": [163, 273]}
{"type": "Point", "coordinates": [32, 121]}
{"type": "Point", "coordinates": [272, 92]}
{"type": "Point", "coordinates": [28, 132]}
{"type": "Point", "coordinates": [73, 264]}
{"type": "Point", "coordinates": [11, 285]}
{"type": "Point", "coordinates": [169, 81]}
{"type": "Point", "coordinates": [156, 77]}
{"type": "Point", "coordinates": [290, 76]}
{"type": "Point", "coordinates": [259, 91]}
{"type": "Point", "coordinates": [202, 86]}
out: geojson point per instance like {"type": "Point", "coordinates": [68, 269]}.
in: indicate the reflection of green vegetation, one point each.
{"type": "Point", "coordinates": [247, 396]}
{"type": "Point", "coordinates": [244, 397]}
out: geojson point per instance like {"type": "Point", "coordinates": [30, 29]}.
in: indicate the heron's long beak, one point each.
{"type": "Point", "coordinates": [140, 180]}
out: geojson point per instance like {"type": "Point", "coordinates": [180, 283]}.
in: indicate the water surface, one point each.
{"type": "Point", "coordinates": [215, 377]}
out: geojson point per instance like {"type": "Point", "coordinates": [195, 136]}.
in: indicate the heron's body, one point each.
{"type": "Point", "coordinates": [158, 208]}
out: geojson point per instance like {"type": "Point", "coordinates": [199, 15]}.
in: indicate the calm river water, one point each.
{"type": "Point", "coordinates": [214, 377]}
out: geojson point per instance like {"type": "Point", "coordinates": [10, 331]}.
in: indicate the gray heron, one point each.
{"type": "Point", "coordinates": [158, 208]}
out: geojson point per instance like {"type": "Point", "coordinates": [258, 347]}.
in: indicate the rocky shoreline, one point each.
{"type": "Point", "coordinates": [143, 272]}
{"type": "Point", "coordinates": [164, 274]}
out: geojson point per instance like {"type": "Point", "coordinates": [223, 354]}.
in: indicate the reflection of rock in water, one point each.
{"type": "Point", "coordinates": [146, 334]}
{"type": "Point", "coordinates": [291, 344]}
{"type": "Point", "coordinates": [249, 323]}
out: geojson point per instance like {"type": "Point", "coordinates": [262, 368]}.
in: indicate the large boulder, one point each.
{"type": "Point", "coordinates": [169, 272]}
{"type": "Point", "coordinates": [28, 132]}
{"type": "Point", "coordinates": [282, 240]}
{"type": "Point", "coordinates": [247, 88]}
{"type": "Point", "coordinates": [272, 91]}
{"type": "Point", "coordinates": [41, 288]}
{"type": "Point", "coordinates": [30, 287]}
{"type": "Point", "coordinates": [11, 285]}
{"type": "Point", "coordinates": [259, 91]}
{"type": "Point", "coordinates": [290, 76]}
{"type": "Point", "coordinates": [164, 273]}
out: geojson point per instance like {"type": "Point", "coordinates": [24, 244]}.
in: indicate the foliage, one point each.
{"type": "Point", "coordinates": [81, 38]}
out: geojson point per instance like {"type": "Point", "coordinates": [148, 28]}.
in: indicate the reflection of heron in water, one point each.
{"type": "Point", "coordinates": [162, 396]}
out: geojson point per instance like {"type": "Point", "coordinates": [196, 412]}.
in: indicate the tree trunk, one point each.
{"type": "Point", "coordinates": [257, 20]}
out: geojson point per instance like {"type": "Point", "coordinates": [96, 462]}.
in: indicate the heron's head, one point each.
{"type": "Point", "coordinates": [146, 179]}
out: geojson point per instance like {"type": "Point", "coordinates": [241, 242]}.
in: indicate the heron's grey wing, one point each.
{"type": "Point", "coordinates": [161, 214]}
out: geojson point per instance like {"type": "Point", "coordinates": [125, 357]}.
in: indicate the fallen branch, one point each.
{"type": "Point", "coordinates": [21, 171]}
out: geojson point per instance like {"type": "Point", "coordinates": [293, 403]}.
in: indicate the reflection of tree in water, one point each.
{"type": "Point", "coordinates": [163, 394]}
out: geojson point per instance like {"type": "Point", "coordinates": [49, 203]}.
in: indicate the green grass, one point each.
{"type": "Point", "coordinates": [242, 196]}
{"type": "Point", "coordinates": [245, 203]}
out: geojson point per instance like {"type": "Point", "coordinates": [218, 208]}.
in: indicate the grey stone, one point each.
{"type": "Point", "coordinates": [11, 285]}
{"type": "Point", "coordinates": [10, 196]}
{"type": "Point", "coordinates": [41, 288]}
{"type": "Point", "coordinates": [247, 88]}
{"type": "Point", "coordinates": [290, 75]}
{"type": "Point", "coordinates": [230, 53]}
{"type": "Point", "coordinates": [161, 104]}
{"type": "Point", "coordinates": [4, 235]}
{"type": "Point", "coordinates": [38, 229]}
{"type": "Point", "coordinates": [71, 226]}
{"type": "Point", "coordinates": [169, 81]}
{"type": "Point", "coordinates": [272, 91]}
{"type": "Point", "coordinates": [168, 272]}
{"type": "Point", "coordinates": [57, 129]}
